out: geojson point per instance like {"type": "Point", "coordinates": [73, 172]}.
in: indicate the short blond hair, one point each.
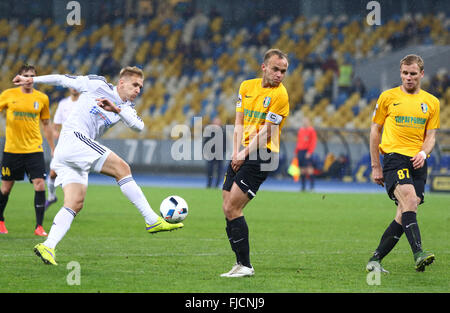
{"type": "Point", "coordinates": [411, 59]}
{"type": "Point", "coordinates": [131, 70]}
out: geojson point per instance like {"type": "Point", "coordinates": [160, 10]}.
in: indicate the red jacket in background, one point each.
{"type": "Point", "coordinates": [306, 139]}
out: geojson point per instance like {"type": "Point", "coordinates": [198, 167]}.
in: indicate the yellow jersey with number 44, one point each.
{"type": "Point", "coordinates": [261, 105]}
{"type": "Point", "coordinates": [23, 113]}
{"type": "Point", "coordinates": [405, 118]}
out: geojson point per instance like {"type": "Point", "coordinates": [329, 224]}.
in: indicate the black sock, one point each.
{"type": "Point", "coordinates": [388, 241]}
{"type": "Point", "coordinates": [39, 206]}
{"type": "Point", "coordinates": [303, 180]}
{"type": "Point", "coordinates": [3, 202]}
{"type": "Point", "coordinates": [411, 229]}
{"type": "Point", "coordinates": [230, 239]}
{"type": "Point", "coordinates": [240, 242]}
{"type": "Point", "coordinates": [311, 180]}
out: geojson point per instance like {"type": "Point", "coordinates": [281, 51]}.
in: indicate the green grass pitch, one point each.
{"type": "Point", "coordinates": [299, 242]}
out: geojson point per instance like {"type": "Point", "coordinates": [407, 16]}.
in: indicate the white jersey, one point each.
{"type": "Point", "coordinates": [63, 110]}
{"type": "Point", "coordinates": [89, 119]}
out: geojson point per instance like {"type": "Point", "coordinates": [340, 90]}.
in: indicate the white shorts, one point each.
{"type": "Point", "coordinates": [75, 156]}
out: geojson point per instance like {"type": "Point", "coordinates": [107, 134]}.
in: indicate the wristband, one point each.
{"type": "Point", "coordinates": [423, 154]}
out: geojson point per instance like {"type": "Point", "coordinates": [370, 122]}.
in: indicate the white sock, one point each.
{"type": "Point", "coordinates": [134, 193]}
{"type": "Point", "coordinates": [51, 188]}
{"type": "Point", "coordinates": [61, 224]}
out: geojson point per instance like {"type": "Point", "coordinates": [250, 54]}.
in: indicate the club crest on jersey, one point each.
{"type": "Point", "coordinates": [239, 102]}
{"type": "Point", "coordinates": [424, 107]}
{"type": "Point", "coordinates": [266, 102]}
{"type": "Point", "coordinates": [36, 105]}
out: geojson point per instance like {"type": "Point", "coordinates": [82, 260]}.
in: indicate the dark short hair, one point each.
{"type": "Point", "coordinates": [411, 59]}
{"type": "Point", "coordinates": [26, 68]}
{"type": "Point", "coordinates": [271, 52]}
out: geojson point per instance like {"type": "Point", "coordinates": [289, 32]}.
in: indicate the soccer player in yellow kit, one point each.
{"type": "Point", "coordinates": [261, 112]}
{"type": "Point", "coordinates": [404, 131]}
{"type": "Point", "coordinates": [23, 152]}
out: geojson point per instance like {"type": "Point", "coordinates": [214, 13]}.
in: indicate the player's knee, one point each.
{"type": "Point", "coordinates": [418, 201]}
{"type": "Point", "coordinates": [123, 169]}
{"type": "Point", "coordinates": [410, 204]}
{"type": "Point", "coordinates": [5, 192]}
{"type": "Point", "coordinates": [6, 187]}
{"type": "Point", "coordinates": [76, 206]}
{"type": "Point", "coordinates": [227, 209]}
{"type": "Point", "coordinates": [231, 209]}
{"type": "Point", "coordinates": [39, 184]}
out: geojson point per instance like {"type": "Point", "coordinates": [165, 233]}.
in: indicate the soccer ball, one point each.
{"type": "Point", "coordinates": [173, 209]}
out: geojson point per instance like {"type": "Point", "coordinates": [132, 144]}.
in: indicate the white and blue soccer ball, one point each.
{"type": "Point", "coordinates": [173, 209]}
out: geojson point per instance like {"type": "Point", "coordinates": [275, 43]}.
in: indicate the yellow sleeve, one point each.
{"type": "Point", "coordinates": [45, 112]}
{"type": "Point", "coordinates": [281, 105]}
{"type": "Point", "coordinates": [380, 113]}
{"type": "Point", "coordinates": [434, 121]}
{"type": "Point", "coordinates": [3, 100]}
{"type": "Point", "coordinates": [278, 109]}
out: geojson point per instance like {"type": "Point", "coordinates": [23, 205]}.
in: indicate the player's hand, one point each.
{"type": "Point", "coordinates": [107, 105]}
{"type": "Point", "coordinates": [20, 80]}
{"type": "Point", "coordinates": [377, 175]}
{"type": "Point", "coordinates": [237, 160]}
{"type": "Point", "coordinates": [418, 161]}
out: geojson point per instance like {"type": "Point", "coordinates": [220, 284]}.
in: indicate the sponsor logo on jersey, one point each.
{"type": "Point", "coordinates": [410, 121]}
{"type": "Point", "coordinates": [255, 114]}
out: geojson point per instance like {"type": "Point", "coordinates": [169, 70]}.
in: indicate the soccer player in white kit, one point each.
{"type": "Point", "coordinates": [101, 106]}
{"type": "Point", "coordinates": [65, 106]}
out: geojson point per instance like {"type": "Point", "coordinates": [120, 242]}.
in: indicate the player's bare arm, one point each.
{"type": "Point", "coordinates": [237, 138]}
{"type": "Point", "coordinates": [375, 139]}
{"type": "Point", "coordinates": [48, 133]}
{"type": "Point", "coordinates": [20, 80]}
{"type": "Point", "coordinates": [428, 144]}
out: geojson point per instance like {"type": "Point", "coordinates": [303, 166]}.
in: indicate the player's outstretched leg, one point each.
{"type": "Point", "coordinates": [153, 222]}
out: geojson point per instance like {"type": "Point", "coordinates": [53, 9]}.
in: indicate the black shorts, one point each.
{"type": "Point", "coordinates": [302, 160]}
{"type": "Point", "coordinates": [249, 177]}
{"type": "Point", "coordinates": [398, 170]}
{"type": "Point", "coordinates": [15, 165]}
